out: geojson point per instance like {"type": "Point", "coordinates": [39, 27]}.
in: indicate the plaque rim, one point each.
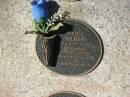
{"type": "Point", "coordinates": [99, 59]}
{"type": "Point", "coordinates": [53, 93]}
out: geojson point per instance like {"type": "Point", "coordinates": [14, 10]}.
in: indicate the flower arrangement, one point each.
{"type": "Point", "coordinates": [42, 23]}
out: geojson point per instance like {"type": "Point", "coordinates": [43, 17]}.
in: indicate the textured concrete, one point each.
{"type": "Point", "coordinates": [23, 75]}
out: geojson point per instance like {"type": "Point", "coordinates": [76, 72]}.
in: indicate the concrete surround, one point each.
{"type": "Point", "coordinates": [23, 75]}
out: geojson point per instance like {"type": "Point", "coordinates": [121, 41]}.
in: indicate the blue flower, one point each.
{"type": "Point", "coordinates": [39, 9]}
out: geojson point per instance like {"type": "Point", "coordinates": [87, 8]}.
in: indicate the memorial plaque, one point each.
{"type": "Point", "coordinates": [76, 50]}
{"type": "Point", "coordinates": [66, 94]}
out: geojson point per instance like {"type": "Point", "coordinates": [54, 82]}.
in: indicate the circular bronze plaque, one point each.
{"type": "Point", "coordinates": [66, 94]}
{"type": "Point", "coordinates": [77, 50]}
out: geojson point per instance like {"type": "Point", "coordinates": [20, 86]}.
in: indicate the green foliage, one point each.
{"type": "Point", "coordinates": [46, 26]}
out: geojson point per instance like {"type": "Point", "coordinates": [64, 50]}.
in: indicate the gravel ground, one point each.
{"type": "Point", "coordinates": [23, 75]}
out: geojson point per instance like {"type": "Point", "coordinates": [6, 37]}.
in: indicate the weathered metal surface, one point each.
{"type": "Point", "coordinates": [66, 94]}
{"type": "Point", "coordinates": [77, 50]}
